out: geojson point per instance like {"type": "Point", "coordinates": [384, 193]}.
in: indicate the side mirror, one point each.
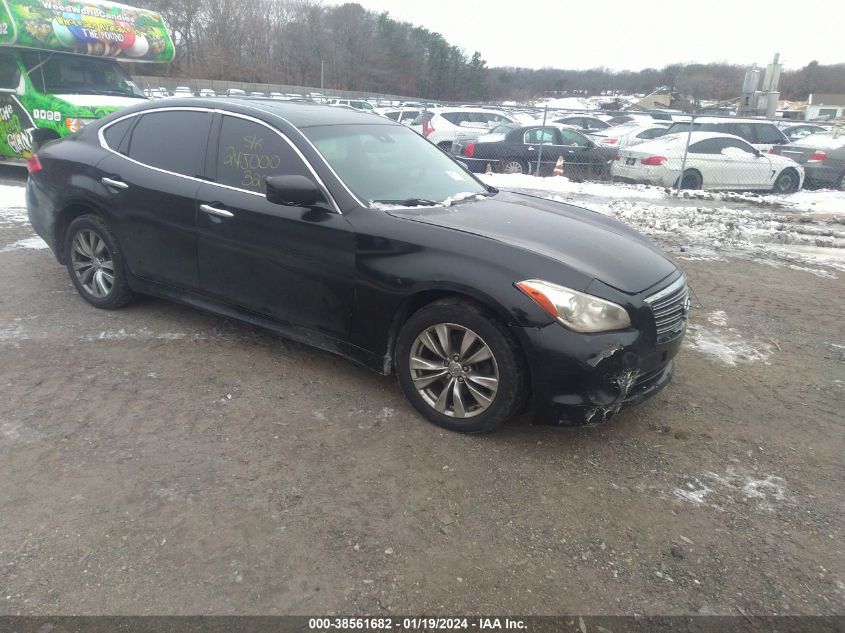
{"type": "Point", "coordinates": [293, 191]}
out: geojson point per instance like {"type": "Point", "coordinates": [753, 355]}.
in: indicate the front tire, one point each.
{"type": "Point", "coordinates": [95, 263]}
{"type": "Point", "coordinates": [460, 368]}
{"type": "Point", "coordinates": [787, 181]}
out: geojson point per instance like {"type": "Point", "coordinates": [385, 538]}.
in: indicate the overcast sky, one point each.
{"type": "Point", "coordinates": [630, 34]}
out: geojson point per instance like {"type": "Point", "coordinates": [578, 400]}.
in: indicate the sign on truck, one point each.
{"type": "Point", "coordinates": [58, 65]}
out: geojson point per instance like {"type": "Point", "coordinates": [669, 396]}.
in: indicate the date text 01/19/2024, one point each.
{"type": "Point", "coordinates": [414, 624]}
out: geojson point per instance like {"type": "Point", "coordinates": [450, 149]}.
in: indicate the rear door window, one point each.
{"type": "Point", "coordinates": [537, 135]}
{"type": "Point", "coordinates": [571, 137]}
{"type": "Point", "coordinates": [174, 141]}
{"type": "Point", "coordinates": [248, 153]}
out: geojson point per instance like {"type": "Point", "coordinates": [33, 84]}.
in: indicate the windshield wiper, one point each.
{"type": "Point", "coordinates": [410, 202]}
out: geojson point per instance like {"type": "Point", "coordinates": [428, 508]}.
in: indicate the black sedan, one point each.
{"type": "Point", "coordinates": [823, 159]}
{"type": "Point", "coordinates": [351, 233]}
{"type": "Point", "coordinates": [515, 149]}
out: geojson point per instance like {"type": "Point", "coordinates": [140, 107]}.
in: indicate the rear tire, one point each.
{"type": "Point", "coordinates": [787, 181]}
{"type": "Point", "coordinates": [460, 367]}
{"type": "Point", "coordinates": [515, 166]}
{"type": "Point", "coordinates": [95, 263]}
{"type": "Point", "coordinates": [691, 180]}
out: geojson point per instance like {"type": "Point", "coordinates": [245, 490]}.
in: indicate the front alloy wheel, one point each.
{"type": "Point", "coordinates": [460, 366]}
{"type": "Point", "coordinates": [454, 370]}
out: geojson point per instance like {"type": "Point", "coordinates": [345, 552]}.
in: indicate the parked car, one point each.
{"type": "Point", "coordinates": [183, 91]}
{"type": "Point", "coordinates": [795, 131]}
{"type": "Point", "coordinates": [516, 150]}
{"type": "Point", "coordinates": [355, 104]}
{"type": "Point", "coordinates": [644, 118]}
{"type": "Point", "coordinates": [714, 161]}
{"type": "Point", "coordinates": [628, 134]}
{"type": "Point", "coordinates": [235, 92]}
{"type": "Point", "coordinates": [823, 159]}
{"type": "Point", "coordinates": [444, 126]}
{"type": "Point", "coordinates": [207, 92]}
{"type": "Point", "coordinates": [355, 235]}
{"type": "Point", "coordinates": [405, 116]}
{"type": "Point", "coordinates": [761, 134]}
{"type": "Point", "coordinates": [583, 122]}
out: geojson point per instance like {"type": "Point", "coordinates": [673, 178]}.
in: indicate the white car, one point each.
{"type": "Point", "coordinates": [628, 134]}
{"type": "Point", "coordinates": [355, 104]}
{"type": "Point", "coordinates": [444, 126]}
{"type": "Point", "coordinates": [207, 92]}
{"type": "Point", "coordinates": [714, 161]}
{"type": "Point", "coordinates": [405, 116]}
{"type": "Point", "coordinates": [183, 91]}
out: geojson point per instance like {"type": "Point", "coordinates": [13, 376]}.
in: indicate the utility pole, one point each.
{"type": "Point", "coordinates": [321, 75]}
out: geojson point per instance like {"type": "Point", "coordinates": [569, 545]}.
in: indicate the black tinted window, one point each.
{"type": "Point", "coordinates": [250, 152]}
{"type": "Point", "coordinates": [175, 141]}
{"type": "Point", "coordinates": [707, 146]}
{"type": "Point", "coordinates": [455, 118]}
{"type": "Point", "coordinates": [115, 133]}
{"type": "Point", "coordinates": [10, 74]}
{"type": "Point", "coordinates": [768, 134]}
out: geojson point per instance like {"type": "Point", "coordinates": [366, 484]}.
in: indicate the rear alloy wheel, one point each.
{"type": "Point", "coordinates": [514, 166]}
{"type": "Point", "coordinates": [787, 181]}
{"type": "Point", "coordinates": [460, 368]}
{"type": "Point", "coordinates": [691, 180]}
{"type": "Point", "coordinates": [95, 263]}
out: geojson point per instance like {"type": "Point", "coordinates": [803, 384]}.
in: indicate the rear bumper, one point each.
{"type": "Point", "coordinates": [585, 379]}
{"type": "Point", "coordinates": [651, 175]}
{"type": "Point", "coordinates": [821, 176]}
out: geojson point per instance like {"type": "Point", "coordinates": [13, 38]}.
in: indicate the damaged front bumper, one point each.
{"type": "Point", "coordinates": [587, 378]}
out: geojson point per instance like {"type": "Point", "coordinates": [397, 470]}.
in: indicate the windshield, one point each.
{"type": "Point", "coordinates": [53, 73]}
{"type": "Point", "coordinates": [391, 164]}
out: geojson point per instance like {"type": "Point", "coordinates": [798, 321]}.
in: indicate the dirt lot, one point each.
{"type": "Point", "coordinates": [162, 460]}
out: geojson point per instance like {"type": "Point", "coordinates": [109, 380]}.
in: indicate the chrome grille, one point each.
{"type": "Point", "coordinates": [670, 307]}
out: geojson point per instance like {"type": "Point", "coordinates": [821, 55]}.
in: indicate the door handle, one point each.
{"type": "Point", "coordinates": [117, 184]}
{"type": "Point", "coordinates": [220, 213]}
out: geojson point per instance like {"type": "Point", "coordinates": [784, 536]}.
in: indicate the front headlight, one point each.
{"type": "Point", "coordinates": [576, 310]}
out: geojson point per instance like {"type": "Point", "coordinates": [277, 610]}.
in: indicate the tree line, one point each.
{"type": "Point", "coordinates": [300, 42]}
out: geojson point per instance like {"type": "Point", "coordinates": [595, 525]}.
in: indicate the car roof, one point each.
{"type": "Point", "coordinates": [714, 119]}
{"type": "Point", "coordinates": [300, 114]}
{"type": "Point", "coordinates": [697, 136]}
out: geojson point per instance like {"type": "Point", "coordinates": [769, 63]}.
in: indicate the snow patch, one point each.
{"type": "Point", "coordinates": [143, 334]}
{"type": "Point", "coordinates": [734, 486]}
{"type": "Point", "coordinates": [724, 343]}
{"type": "Point", "coordinates": [31, 242]}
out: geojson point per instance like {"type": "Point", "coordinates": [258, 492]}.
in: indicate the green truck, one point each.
{"type": "Point", "coordinates": [59, 66]}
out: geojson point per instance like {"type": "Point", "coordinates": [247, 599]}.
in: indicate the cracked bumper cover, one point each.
{"type": "Point", "coordinates": [587, 378]}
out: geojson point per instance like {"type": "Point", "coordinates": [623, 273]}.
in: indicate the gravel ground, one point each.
{"type": "Point", "coordinates": [162, 460]}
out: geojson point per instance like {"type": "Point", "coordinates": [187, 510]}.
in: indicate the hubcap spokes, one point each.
{"type": "Point", "coordinates": [92, 263]}
{"type": "Point", "coordinates": [454, 370]}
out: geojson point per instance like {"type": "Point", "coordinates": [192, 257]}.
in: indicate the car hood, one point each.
{"type": "Point", "coordinates": [593, 244]}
